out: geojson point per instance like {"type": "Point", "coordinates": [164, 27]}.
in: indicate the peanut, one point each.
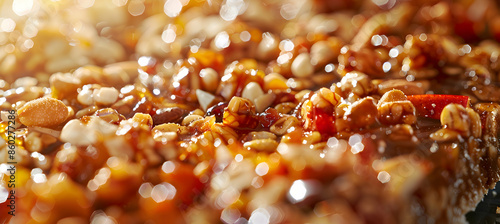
{"type": "Point", "coordinates": [44, 112]}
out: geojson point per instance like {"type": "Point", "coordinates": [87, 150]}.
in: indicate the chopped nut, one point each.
{"type": "Point", "coordinates": [401, 132]}
{"type": "Point", "coordinates": [301, 66]}
{"type": "Point", "coordinates": [205, 99]}
{"type": "Point", "coordinates": [268, 47]}
{"type": "Point", "coordinates": [89, 74]}
{"type": "Point", "coordinates": [24, 82]}
{"type": "Point", "coordinates": [190, 118]}
{"type": "Point", "coordinates": [254, 135]}
{"type": "Point", "coordinates": [465, 121]}
{"type": "Point", "coordinates": [169, 127]}
{"type": "Point", "coordinates": [86, 111]}
{"type": "Point", "coordinates": [45, 112]}
{"type": "Point", "coordinates": [318, 112]}
{"type": "Point", "coordinates": [284, 124]}
{"type": "Point", "coordinates": [119, 74]}
{"type": "Point", "coordinates": [408, 88]}
{"type": "Point", "coordinates": [105, 95]}
{"type": "Point", "coordinates": [267, 145]}
{"type": "Point", "coordinates": [239, 113]}
{"type": "Point", "coordinates": [64, 85]}
{"type": "Point", "coordinates": [237, 75]}
{"type": "Point", "coordinates": [285, 108]}
{"type": "Point", "coordinates": [394, 108]}
{"type": "Point", "coordinates": [164, 136]}
{"type": "Point", "coordinates": [109, 115]}
{"type": "Point", "coordinates": [264, 101]}
{"type": "Point", "coordinates": [85, 97]}
{"type": "Point", "coordinates": [490, 114]}
{"type": "Point", "coordinates": [353, 86]}
{"type": "Point", "coordinates": [19, 94]}
{"type": "Point", "coordinates": [360, 114]}
{"type": "Point", "coordinates": [224, 132]}
{"type": "Point", "coordinates": [252, 91]}
{"type": "Point", "coordinates": [325, 98]}
{"type": "Point", "coordinates": [144, 119]}
{"type": "Point", "coordinates": [321, 53]}
{"type": "Point", "coordinates": [209, 79]}
{"type": "Point", "coordinates": [33, 142]}
{"type": "Point", "coordinates": [169, 115]}
{"type": "Point", "coordinates": [444, 135]}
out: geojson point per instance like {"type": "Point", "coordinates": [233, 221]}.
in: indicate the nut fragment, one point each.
{"type": "Point", "coordinates": [93, 130]}
{"type": "Point", "coordinates": [394, 108]}
{"type": "Point", "coordinates": [301, 66]}
{"type": "Point", "coordinates": [205, 99]}
{"type": "Point", "coordinates": [252, 91]}
{"type": "Point", "coordinates": [324, 98]}
{"type": "Point", "coordinates": [85, 97]}
{"type": "Point", "coordinates": [463, 120]}
{"type": "Point", "coordinates": [284, 124]}
{"type": "Point", "coordinates": [274, 81]}
{"type": "Point", "coordinates": [44, 112]}
{"type": "Point", "coordinates": [358, 115]}
{"type": "Point", "coordinates": [285, 108]}
{"type": "Point", "coordinates": [268, 145]}
{"type": "Point", "coordinates": [209, 79]}
{"type": "Point", "coordinates": [239, 113]}
{"type": "Point", "coordinates": [353, 86]}
{"type": "Point", "coordinates": [264, 101]}
{"type": "Point", "coordinates": [260, 135]}
{"type": "Point", "coordinates": [190, 118]}
{"type": "Point", "coordinates": [106, 95]}
{"type": "Point", "coordinates": [143, 119]}
{"type": "Point", "coordinates": [109, 115]}
{"type": "Point", "coordinates": [64, 85]}
{"type": "Point", "coordinates": [408, 88]}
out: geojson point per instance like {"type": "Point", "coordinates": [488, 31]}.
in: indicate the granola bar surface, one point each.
{"type": "Point", "coordinates": [239, 111]}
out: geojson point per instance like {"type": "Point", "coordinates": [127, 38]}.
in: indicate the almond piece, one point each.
{"type": "Point", "coordinates": [43, 112]}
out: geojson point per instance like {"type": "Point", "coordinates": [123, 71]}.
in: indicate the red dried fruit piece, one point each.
{"type": "Point", "coordinates": [268, 117]}
{"type": "Point", "coordinates": [217, 110]}
{"type": "Point", "coordinates": [431, 105]}
{"type": "Point", "coordinates": [324, 121]}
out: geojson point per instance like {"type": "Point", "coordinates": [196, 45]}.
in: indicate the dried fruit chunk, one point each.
{"type": "Point", "coordinates": [431, 105]}
{"type": "Point", "coordinates": [44, 112]}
